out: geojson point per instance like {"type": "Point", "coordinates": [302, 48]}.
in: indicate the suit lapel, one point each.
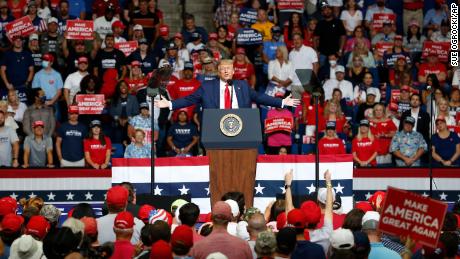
{"type": "Point", "coordinates": [216, 94]}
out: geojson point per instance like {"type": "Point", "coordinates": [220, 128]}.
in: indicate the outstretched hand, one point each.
{"type": "Point", "coordinates": [288, 177]}
{"type": "Point", "coordinates": [327, 176]}
{"type": "Point", "coordinates": [289, 101]}
{"type": "Point", "coordinates": [162, 103]}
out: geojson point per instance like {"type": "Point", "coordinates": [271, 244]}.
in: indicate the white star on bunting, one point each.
{"type": "Point", "coordinates": [89, 196]}
{"type": "Point", "coordinates": [157, 190]}
{"type": "Point", "coordinates": [183, 190]}
{"type": "Point", "coordinates": [311, 188]}
{"type": "Point", "coordinates": [51, 196]}
{"type": "Point", "coordinates": [259, 189]}
{"type": "Point", "coordinates": [339, 188]}
{"type": "Point", "coordinates": [207, 190]}
{"type": "Point", "coordinates": [425, 194]}
{"type": "Point", "coordinates": [443, 196]}
{"type": "Point", "coordinates": [14, 196]}
{"type": "Point", "coordinates": [368, 196]}
{"type": "Point", "coordinates": [283, 189]}
{"type": "Point", "coordinates": [70, 196]}
{"type": "Point", "coordinates": [32, 195]}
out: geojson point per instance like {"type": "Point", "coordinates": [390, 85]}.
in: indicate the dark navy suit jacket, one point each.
{"type": "Point", "coordinates": [208, 95]}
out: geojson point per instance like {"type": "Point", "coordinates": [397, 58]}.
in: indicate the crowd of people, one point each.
{"type": "Point", "coordinates": [314, 228]}
{"type": "Point", "coordinates": [383, 99]}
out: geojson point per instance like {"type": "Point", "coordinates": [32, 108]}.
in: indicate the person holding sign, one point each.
{"type": "Point", "coordinates": [279, 139]}
{"type": "Point", "coordinates": [224, 93]}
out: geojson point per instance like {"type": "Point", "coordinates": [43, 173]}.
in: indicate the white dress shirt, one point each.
{"type": "Point", "coordinates": [222, 95]}
{"type": "Point", "coordinates": [345, 86]}
{"type": "Point", "coordinates": [302, 59]}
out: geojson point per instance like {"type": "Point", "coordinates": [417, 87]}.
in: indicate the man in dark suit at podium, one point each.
{"type": "Point", "coordinates": [225, 93]}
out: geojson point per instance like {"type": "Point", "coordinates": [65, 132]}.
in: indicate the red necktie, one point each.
{"type": "Point", "coordinates": [228, 101]}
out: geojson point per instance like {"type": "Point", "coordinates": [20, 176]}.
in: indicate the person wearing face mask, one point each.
{"type": "Point", "coordinates": [38, 111]}
{"type": "Point", "coordinates": [379, 7]}
{"type": "Point", "coordinates": [434, 17]}
{"type": "Point", "coordinates": [49, 80]}
{"type": "Point", "coordinates": [328, 72]}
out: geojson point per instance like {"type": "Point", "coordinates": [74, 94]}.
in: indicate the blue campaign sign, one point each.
{"type": "Point", "coordinates": [248, 16]}
{"type": "Point", "coordinates": [248, 36]}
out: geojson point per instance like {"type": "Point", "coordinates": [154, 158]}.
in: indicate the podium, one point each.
{"type": "Point", "coordinates": [231, 138]}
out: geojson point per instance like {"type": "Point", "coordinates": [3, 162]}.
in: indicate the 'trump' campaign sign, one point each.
{"type": "Point", "coordinates": [439, 49]}
{"type": "Point", "coordinates": [20, 27]}
{"type": "Point", "coordinates": [290, 4]}
{"type": "Point", "coordinates": [379, 18]}
{"type": "Point", "coordinates": [90, 103]}
{"type": "Point", "coordinates": [79, 30]}
{"type": "Point", "coordinates": [409, 214]}
{"type": "Point", "coordinates": [126, 47]}
{"type": "Point", "coordinates": [278, 124]}
{"type": "Point", "coordinates": [248, 16]}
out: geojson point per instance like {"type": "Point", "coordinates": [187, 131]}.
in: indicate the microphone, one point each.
{"type": "Point", "coordinates": [230, 83]}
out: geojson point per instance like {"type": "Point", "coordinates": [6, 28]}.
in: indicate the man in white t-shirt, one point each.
{"type": "Point", "coordinates": [345, 86]}
{"type": "Point", "coordinates": [301, 57]}
{"type": "Point", "coordinates": [72, 82]}
{"type": "Point", "coordinates": [103, 24]}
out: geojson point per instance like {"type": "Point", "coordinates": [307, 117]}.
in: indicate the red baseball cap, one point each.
{"type": "Point", "coordinates": [38, 226]}
{"type": "Point", "coordinates": [240, 51]}
{"type": "Point", "coordinates": [375, 196]}
{"type": "Point", "coordinates": [213, 36]}
{"type": "Point", "coordinates": [281, 220]}
{"type": "Point", "coordinates": [48, 57]}
{"type": "Point", "coordinates": [7, 205]}
{"type": "Point", "coordinates": [161, 250]}
{"type": "Point", "coordinates": [38, 123]}
{"type": "Point", "coordinates": [178, 35]}
{"type": "Point", "coordinates": [124, 220]}
{"type": "Point", "coordinates": [12, 223]}
{"type": "Point", "coordinates": [117, 195]}
{"type": "Point", "coordinates": [405, 88]}
{"type": "Point", "coordinates": [118, 24]}
{"type": "Point", "coordinates": [135, 63]}
{"type": "Point", "coordinates": [73, 109]}
{"type": "Point", "coordinates": [222, 210]}
{"type": "Point", "coordinates": [182, 235]}
{"type": "Point", "coordinates": [144, 212]}
{"type": "Point", "coordinates": [364, 206]}
{"type": "Point", "coordinates": [312, 212]}
{"type": "Point", "coordinates": [82, 59]}
{"type": "Point", "coordinates": [90, 225]}
{"type": "Point", "coordinates": [296, 217]}
{"type": "Point", "coordinates": [164, 30]}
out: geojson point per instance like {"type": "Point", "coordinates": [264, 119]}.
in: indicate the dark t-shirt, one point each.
{"type": "Point", "coordinates": [17, 66]}
{"type": "Point", "coordinates": [148, 64]}
{"type": "Point", "coordinates": [109, 59]}
{"type": "Point", "coordinates": [306, 250]}
{"type": "Point", "coordinates": [71, 61]}
{"type": "Point", "coordinates": [182, 135]}
{"type": "Point", "coordinates": [72, 141]}
{"type": "Point", "coordinates": [329, 33]}
{"type": "Point", "coordinates": [445, 147]}
{"type": "Point", "coordinates": [148, 22]}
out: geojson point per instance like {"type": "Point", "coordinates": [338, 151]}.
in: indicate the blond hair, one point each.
{"type": "Point", "coordinates": [338, 113]}
{"type": "Point", "coordinates": [284, 50]}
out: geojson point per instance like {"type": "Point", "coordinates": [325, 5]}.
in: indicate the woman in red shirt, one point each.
{"type": "Point", "coordinates": [331, 144]}
{"type": "Point", "coordinates": [136, 80]}
{"type": "Point", "coordinates": [97, 147]}
{"type": "Point", "coordinates": [333, 112]}
{"type": "Point", "coordinates": [294, 25]}
{"type": "Point", "coordinates": [244, 70]}
{"type": "Point", "coordinates": [383, 129]}
{"type": "Point", "coordinates": [364, 146]}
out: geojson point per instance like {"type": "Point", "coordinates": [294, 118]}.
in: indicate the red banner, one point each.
{"type": "Point", "coordinates": [278, 124]}
{"type": "Point", "coordinates": [409, 214]}
{"type": "Point", "coordinates": [290, 4]}
{"type": "Point", "coordinates": [79, 30]}
{"type": "Point", "coordinates": [20, 27]}
{"type": "Point", "coordinates": [90, 103]}
{"type": "Point", "coordinates": [439, 49]}
{"type": "Point", "coordinates": [126, 47]}
{"type": "Point", "coordinates": [379, 18]}
{"type": "Point", "coordinates": [381, 47]}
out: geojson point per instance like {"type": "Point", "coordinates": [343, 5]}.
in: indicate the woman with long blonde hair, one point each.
{"type": "Point", "coordinates": [333, 112]}
{"type": "Point", "coordinates": [361, 49]}
{"type": "Point", "coordinates": [383, 129]}
{"type": "Point", "coordinates": [364, 146]}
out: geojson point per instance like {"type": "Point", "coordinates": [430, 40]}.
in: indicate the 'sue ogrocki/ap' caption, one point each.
{"type": "Point", "coordinates": [454, 35]}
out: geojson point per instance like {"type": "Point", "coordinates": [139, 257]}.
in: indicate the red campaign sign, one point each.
{"type": "Point", "coordinates": [379, 18]}
{"type": "Point", "coordinates": [382, 47]}
{"type": "Point", "coordinates": [278, 124]}
{"type": "Point", "coordinates": [290, 4]}
{"type": "Point", "coordinates": [409, 214]}
{"type": "Point", "coordinates": [127, 47]}
{"type": "Point", "coordinates": [20, 27]}
{"type": "Point", "coordinates": [90, 103]}
{"type": "Point", "coordinates": [439, 49]}
{"type": "Point", "coordinates": [79, 30]}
